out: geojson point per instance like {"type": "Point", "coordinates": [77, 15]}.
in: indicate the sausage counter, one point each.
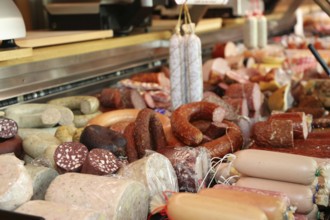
{"type": "Point", "coordinates": [89, 130]}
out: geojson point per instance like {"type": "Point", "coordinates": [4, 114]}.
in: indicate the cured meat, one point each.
{"type": "Point", "coordinates": [116, 198]}
{"type": "Point", "coordinates": [131, 151]}
{"type": "Point", "coordinates": [214, 70]}
{"type": "Point", "coordinates": [250, 91]}
{"type": "Point", "coordinates": [230, 113]}
{"type": "Point", "coordinates": [228, 143]}
{"type": "Point", "coordinates": [110, 97]}
{"type": "Point", "coordinates": [300, 123]}
{"type": "Point", "coordinates": [316, 112]}
{"type": "Point", "coordinates": [190, 164]}
{"type": "Point", "coordinates": [97, 136]}
{"type": "Point", "coordinates": [8, 128]}
{"type": "Point", "coordinates": [155, 172]}
{"type": "Point", "coordinates": [12, 145]}
{"type": "Point", "coordinates": [15, 185]}
{"type": "Point", "coordinates": [275, 133]}
{"type": "Point", "coordinates": [100, 162]}
{"type": "Point", "coordinates": [323, 122]}
{"type": "Point", "coordinates": [41, 178]}
{"type": "Point", "coordinates": [53, 211]}
{"type": "Point", "coordinates": [181, 117]}
{"type": "Point", "coordinates": [239, 104]}
{"type": "Point", "coordinates": [319, 149]}
{"type": "Point", "coordinates": [216, 129]}
{"type": "Point", "coordinates": [177, 70]}
{"type": "Point", "coordinates": [193, 64]}
{"type": "Point", "coordinates": [148, 132]}
{"type": "Point", "coordinates": [70, 156]}
{"type": "Point", "coordinates": [224, 50]}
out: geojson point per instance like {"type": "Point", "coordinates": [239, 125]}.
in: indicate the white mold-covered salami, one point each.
{"type": "Point", "coordinates": [193, 63]}
{"type": "Point", "coordinates": [117, 198]}
{"type": "Point", "coordinates": [58, 211]}
{"type": "Point", "coordinates": [155, 171]}
{"type": "Point", "coordinates": [15, 182]}
{"type": "Point", "coordinates": [41, 178]}
{"type": "Point", "coordinates": [177, 70]}
{"type": "Point", "coordinates": [190, 164]}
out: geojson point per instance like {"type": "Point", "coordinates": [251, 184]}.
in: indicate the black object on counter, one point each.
{"type": "Point", "coordinates": [319, 58]}
{"type": "Point", "coordinates": [8, 215]}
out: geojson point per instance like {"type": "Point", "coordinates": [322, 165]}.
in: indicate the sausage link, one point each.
{"type": "Point", "coordinates": [229, 143]}
{"type": "Point", "coordinates": [146, 131]}
{"type": "Point", "coordinates": [131, 152]}
{"type": "Point", "coordinates": [181, 117]}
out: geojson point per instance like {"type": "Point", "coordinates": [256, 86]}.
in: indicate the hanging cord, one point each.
{"type": "Point", "coordinates": [177, 28]}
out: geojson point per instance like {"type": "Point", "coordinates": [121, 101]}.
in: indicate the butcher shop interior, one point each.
{"type": "Point", "coordinates": [164, 109]}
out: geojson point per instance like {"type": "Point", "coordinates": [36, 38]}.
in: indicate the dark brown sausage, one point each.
{"type": "Point", "coordinates": [70, 157]}
{"type": "Point", "coordinates": [11, 145]}
{"type": "Point", "coordinates": [148, 132]}
{"type": "Point", "coordinates": [181, 117]}
{"type": "Point", "coordinates": [228, 143]}
{"type": "Point", "coordinates": [100, 162]}
{"type": "Point", "coordinates": [131, 151]}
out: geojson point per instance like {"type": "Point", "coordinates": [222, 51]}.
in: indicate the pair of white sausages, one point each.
{"type": "Point", "coordinates": [185, 67]}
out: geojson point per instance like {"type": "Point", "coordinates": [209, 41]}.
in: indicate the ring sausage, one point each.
{"type": "Point", "coordinates": [148, 132]}
{"type": "Point", "coordinates": [181, 117]}
{"type": "Point", "coordinates": [86, 104]}
{"type": "Point", "coordinates": [228, 143]}
{"type": "Point", "coordinates": [39, 115]}
{"type": "Point", "coordinates": [107, 119]}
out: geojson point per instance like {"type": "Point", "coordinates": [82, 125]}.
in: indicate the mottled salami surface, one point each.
{"type": "Point", "coordinates": [8, 128]}
{"type": "Point", "coordinates": [190, 165]}
{"type": "Point", "coordinates": [100, 162]}
{"type": "Point", "coordinates": [70, 156]}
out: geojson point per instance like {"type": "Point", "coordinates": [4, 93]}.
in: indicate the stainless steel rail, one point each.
{"type": "Point", "coordinates": [89, 73]}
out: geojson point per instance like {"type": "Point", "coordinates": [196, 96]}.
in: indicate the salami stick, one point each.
{"type": "Point", "coordinates": [177, 68]}
{"type": "Point", "coordinates": [193, 63]}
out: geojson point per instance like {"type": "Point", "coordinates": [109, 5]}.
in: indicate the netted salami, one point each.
{"type": "Point", "coordinates": [190, 164]}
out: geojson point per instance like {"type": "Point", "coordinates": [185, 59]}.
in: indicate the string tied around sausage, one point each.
{"type": "Point", "coordinates": [230, 157]}
{"type": "Point", "coordinates": [161, 208]}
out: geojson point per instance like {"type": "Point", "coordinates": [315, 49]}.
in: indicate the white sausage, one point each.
{"type": "Point", "coordinates": [41, 178]}
{"type": "Point", "coordinates": [117, 198]}
{"type": "Point", "coordinates": [193, 63]}
{"type": "Point", "coordinates": [56, 211]}
{"type": "Point", "coordinates": [15, 182]}
{"type": "Point", "coordinates": [177, 70]}
{"type": "Point", "coordinates": [86, 104]}
{"type": "Point", "coordinates": [155, 172]}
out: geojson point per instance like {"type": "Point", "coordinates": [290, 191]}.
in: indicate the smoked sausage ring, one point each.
{"type": "Point", "coordinates": [181, 117]}
{"type": "Point", "coordinates": [228, 143]}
